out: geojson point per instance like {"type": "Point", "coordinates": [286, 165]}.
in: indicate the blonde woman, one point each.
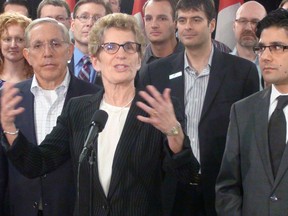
{"type": "Point", "coordinates": [13, 66]}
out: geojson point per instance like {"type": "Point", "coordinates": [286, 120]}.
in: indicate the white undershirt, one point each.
{"type": "Point", "coordinates": [108, 140]}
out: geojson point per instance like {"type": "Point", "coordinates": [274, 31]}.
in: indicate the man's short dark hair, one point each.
{"type": "Point", "coordinates": [107, 7]}
{"type": "Point", "coordinates": [207, 6]}
{"type": "Point", "coordinates": [171, 2]}
{"type": "Point", "coordinates": [277, 18]}
{"type": "Point", "coordinates": [23, 3]}
{"type": "Point", "coordinates": [56, 3]}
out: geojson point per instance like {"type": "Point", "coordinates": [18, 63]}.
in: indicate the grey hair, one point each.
{"type": "Point", "coordinates": [39, 21]}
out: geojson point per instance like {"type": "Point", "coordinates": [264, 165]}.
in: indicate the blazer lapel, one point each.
{"type": "Point", "coordinates": [261, 131]}
{"type": "Point", "coordinates": [92, 105]}
{"type": "Point", "coordinates": [126, 142]}
{"type": "Point", "coordinates": [217, 74]}
{"type": "Point", "coordinates": [28, 116]}
{"type": "Point", "coordinates": [176, 78]}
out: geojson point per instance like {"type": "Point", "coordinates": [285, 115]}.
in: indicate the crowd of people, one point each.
{"type": "Point", "coordinates": [194, 128]}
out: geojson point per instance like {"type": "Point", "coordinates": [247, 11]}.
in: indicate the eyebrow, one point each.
{"type": "Point", "coordinates": [272, 43]}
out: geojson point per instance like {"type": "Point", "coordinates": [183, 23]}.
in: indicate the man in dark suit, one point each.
{"type": "Point", "coordinates": [253, 178]}
{"type": "Point", "coordinates": [85, 14]}
{"type": "Point", "coordinates": [206, 82]}
{"type": "Point", "coordinates": [43, 99]}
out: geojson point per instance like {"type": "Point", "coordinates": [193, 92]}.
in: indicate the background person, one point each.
{"type": "Point", "coordinates": [19, 6]}
{"type": "Point", "coordinates": [206, 82]}
{"type": "Point", "coordinates": [244, 27]}
{"type": "Point", "coordinates": [85, 14]}
{"type": "Point", "coordinates": [13, 66]}
{"type": "Point", "coordinates": [56, 9]}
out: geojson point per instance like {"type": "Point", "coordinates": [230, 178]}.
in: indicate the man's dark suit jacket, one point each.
{"type": "Point", "coordinates": [231, 79]}
{"type": "Point", "coordinates": [136, 179]}
{"type": "Point", "coordinates": [57, 189]}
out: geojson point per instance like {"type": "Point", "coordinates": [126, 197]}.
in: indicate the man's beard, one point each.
{"type": "Point", "coordinates": [251, 42]}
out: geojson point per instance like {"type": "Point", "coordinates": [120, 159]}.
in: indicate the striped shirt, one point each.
{"type": "Point", "coordinates": [195, 89]}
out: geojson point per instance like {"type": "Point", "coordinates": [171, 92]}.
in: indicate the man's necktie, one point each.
{"type": "Point", "coordinates": [277, 133]}
{"type": "Point", "coordinates": [85, 71]}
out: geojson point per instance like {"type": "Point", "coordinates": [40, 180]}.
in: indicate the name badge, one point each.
{"type": "Point", "coordinates": [175, 75]}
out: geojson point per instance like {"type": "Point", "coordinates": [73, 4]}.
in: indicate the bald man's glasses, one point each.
{"type": "Point", "coordinates": [244, 22]}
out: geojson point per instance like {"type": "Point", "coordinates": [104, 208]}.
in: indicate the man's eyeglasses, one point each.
{"type": "Point", "coordinates": [54, 45]}
{"type": "Point", "coordinates": [274, 49]}
{"type": "Point", "coordinates": [244, 22]}
{"type": "Point", "coordinates": [129, 47]}
{"type": "Point", "coordinates": [61, 18]}
{"type": "Point", "coordinates": [85, 18]}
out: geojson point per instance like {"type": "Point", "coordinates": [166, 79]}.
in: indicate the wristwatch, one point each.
{"type": "Point", "coordinates": [174, 131]}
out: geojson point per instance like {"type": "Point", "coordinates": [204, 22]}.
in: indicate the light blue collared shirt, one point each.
{"type": "Point", "coordinates": [78, 64]}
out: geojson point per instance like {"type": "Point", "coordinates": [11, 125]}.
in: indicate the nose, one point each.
{"type": "Point", "coordinates": [13, 43]}
{"type": "Point", "coordinates": [266, 55]}
{"type": "Point", "coordinates": [90, 21]}
{"type": "Point", "coordinates": [250, 26]}
{"type": "Point", "coordinates": [188, 24]}
{"type": "Point", "coordinates": [121, 53]}
{"type": "Point", "coordinates": [154, 23]}
{"type": "Point", "coordinates": [47, 49]}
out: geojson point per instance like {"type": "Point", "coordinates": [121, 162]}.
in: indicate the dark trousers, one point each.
{"type": "Point", "coordinates": [189, 201]}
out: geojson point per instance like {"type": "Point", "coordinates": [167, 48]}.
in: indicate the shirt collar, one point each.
{"type": "Point", "coordinates": [62, 88]}
{"type": "Point", "coordinates": [78, 55]}
{"type": "Point", "coordinates": [274, 94]}
{"type": "Point", "coordinates": [234, 52]}
{"type": "Point", "coordinates": [186, 62]}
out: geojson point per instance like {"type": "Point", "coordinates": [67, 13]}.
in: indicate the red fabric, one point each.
{"type": "Point", "coordinates": [226, 3]}
{"type": "Point", "coordinates": [137, 6]}
{"type": "Point", "coordinates": [71, 4]}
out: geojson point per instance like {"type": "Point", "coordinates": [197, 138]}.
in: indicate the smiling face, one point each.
{"type": "Point", "coordinates": [13, 43]}
{"type": "Point", "coordinates": [49, 64]}
{"type": "Point", "coordinates": [274, 66]}
{"type": "Point", "coordinates": [119, 68]}
{"type": "Point", "coordinates": [159, 23]}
